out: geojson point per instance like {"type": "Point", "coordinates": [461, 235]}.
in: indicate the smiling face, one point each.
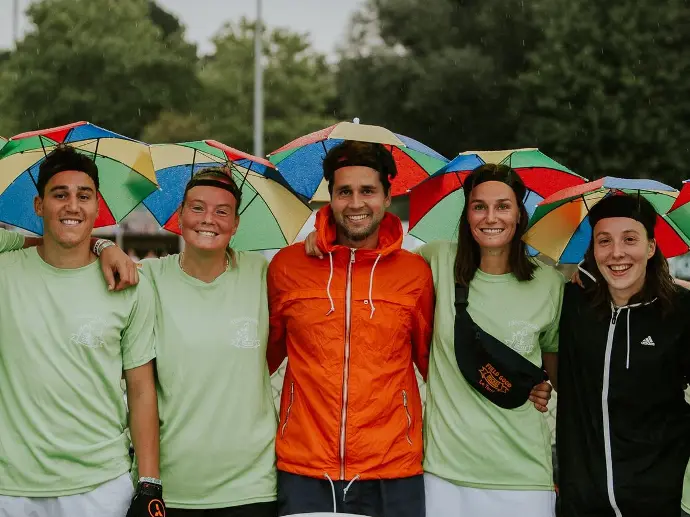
{"type": "Point", "coordinates": [69, 208]}
{"type": "Point", "coordinates": [621, 252]}
{"type": "Point", "coordinates": [359, 204]}
{"type": "Point", "coordinates": [208, 218]}
{"type": "Point", "coordinates": [493, 214]}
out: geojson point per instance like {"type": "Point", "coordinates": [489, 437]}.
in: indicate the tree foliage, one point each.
{"type": "Point", "coordinates": [439, 70]}
{"type": "Point", "coordinates": [606, 92]}
{"type": "Point", "coordinates": [97, 60]}
{"type": "Point", "coordinates": [298, 87]}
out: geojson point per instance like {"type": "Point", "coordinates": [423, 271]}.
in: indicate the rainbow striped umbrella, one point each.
{"type": "Point", "coordinates": [125, 172]}
{"type": "Point", "coordinates": [300, 161]}
{"type": "Point", "coordinates": [437, 202]}
{"type": "Point", "coordinates": [271, 215]}
{"type": "Point", "coordinates": [560, 226]}
{"type": "Point", "coordinates": [679, 212]}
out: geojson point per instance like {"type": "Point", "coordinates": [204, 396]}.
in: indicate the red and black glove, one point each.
{"type": "Point", "coordinates": [147, 501]}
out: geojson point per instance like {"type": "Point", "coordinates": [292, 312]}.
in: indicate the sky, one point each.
{"type": "Point", "coordinates": [325, 21]}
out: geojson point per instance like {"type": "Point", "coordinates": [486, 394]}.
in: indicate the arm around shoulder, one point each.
{"type": "Point", "coordinates": [138, 352]}
{"type": "Point", "coordinates": [276, 350]}
{"type": "Point", "coordinates": [429, 251]}
{"type": "Point", "coordinates": [423, 323]}
{"type": "Point", "coordinates": [549, 339]}
{"type": "Point", "coordinates": [138, 339]}
{"type": "Point", "coordinates": [12, 241]}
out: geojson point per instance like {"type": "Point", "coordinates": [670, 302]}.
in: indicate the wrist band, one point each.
{"type": "Point", "coordinates": [153, 481]}
{"type": "Point", "coordinates": [100, 245]}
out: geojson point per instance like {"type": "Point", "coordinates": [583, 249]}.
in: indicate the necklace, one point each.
{"type": "Point", "coordinates": [181, 262]}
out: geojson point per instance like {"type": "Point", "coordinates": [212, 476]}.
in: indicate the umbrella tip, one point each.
{"type": "Point", "coordinates": [355, 120]}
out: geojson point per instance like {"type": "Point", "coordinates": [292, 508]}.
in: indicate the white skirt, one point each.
{"type": "Point", "coordinates": [445, 499]}
{"type": "Point", "coordinates": [111, 499]}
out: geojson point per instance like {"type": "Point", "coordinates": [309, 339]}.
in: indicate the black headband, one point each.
{"type": "Point", "coordinates": [630, 206]}
{"type": "Point", "coordinates": [477, 177]}
{"type": "Point", "coordinates": [212, 183]}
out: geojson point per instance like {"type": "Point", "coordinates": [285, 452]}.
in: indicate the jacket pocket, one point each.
{"type": "Point", "coordinates": [408, 417]}
{"type": "Point", "coordinates": [287, 411]}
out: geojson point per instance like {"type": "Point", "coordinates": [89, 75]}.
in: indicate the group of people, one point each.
{"type": "Point", "coordinates": [196, 336]}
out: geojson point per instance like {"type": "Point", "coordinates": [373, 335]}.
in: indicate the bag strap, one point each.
{"type": "Point", "coordinates": [461, 295]}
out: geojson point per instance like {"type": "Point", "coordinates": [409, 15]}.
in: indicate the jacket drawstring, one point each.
{"type": "Point", "coordinates": [627, 360]}
{"type": "Point", "coordinates": [349, 485]}
{"type": "Point", "coordinates": [330, 298]}
{"type": "Point", "coordinates": [371, 286]}
{"type": "Point", "coordinates": [325, 474]}
{"type": "Point", "coordinates": [335, 507]}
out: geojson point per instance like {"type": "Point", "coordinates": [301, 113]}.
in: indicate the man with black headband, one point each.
{"type": "Point", "coordinates": [64, 344]}
{"type": "Point", "coordinates": [623, 428]}
{"type": "Point", "coordinates": [352, 325]}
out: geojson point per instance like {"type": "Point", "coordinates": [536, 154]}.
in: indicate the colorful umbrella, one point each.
{"type": "Point", "coordinates": [560, 227]}
{"type": "Point", "coordinates": [125, 172]}
{"type": "Point", "coordinates": [300, 161]}
{"type": "Point", "coordinates": [437, 202]}
{"type": "Point", "coordinates": [271, 215]}
{"type": "Point", "coordinates": [679, 213]}
{"type": "Point", "coordinates": [3, 141]}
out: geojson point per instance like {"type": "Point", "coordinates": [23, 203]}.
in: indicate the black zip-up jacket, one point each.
{"type": "Point", "coordinates": [623, 426]}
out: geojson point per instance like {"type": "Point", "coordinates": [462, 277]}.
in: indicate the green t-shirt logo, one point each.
{"type": "Point", "coordinates": [90, 332]}
{"type": "Point", "coordinates": [522, 338]}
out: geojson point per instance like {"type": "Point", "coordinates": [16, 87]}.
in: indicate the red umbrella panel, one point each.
{"type": "Point", "coordinates": [437, 202]}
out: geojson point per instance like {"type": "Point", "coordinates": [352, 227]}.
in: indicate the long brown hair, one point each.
{"type": "Point", "coordinates": [467, 258]}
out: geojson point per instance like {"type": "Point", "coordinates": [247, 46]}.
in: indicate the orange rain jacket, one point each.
{"type": "Point", "coordinates": [351, 325]}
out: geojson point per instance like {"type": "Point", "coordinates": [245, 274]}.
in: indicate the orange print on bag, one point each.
{"type": "Point", "coordinates": [492, 380]}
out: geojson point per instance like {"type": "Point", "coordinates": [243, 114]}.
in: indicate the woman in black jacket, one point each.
{"type": "Point", "coordinates": [623, 428]}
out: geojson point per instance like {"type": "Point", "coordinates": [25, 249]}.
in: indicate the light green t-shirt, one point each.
{"type": "Point", "coordinates": [218, 420]}
{"type": "Point", "coordinates": [470, 441]}
{"type": "Point", "coordinates": [10, 241]}
{"type": "Point", "coordinates": [64, 343]}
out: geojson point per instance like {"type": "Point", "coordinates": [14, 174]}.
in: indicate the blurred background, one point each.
{"type": "Point", "coordinates": [601, 87]}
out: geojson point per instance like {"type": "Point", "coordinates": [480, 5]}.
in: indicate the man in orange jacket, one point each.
{"type": "Point", "coordinates": [352, 325]}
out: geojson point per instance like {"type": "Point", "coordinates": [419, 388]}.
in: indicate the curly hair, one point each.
{"type": "Point", "coordinates": [65, 158]}
{"type": "Point", "coordinates": [352, 153]}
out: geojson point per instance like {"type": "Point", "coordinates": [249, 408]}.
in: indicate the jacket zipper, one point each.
{"type": "Point", "coordinates": [409, 418]}
{"type": "Point", "coordinates": [287, 411]}
{"type": "Point", "coordinates": [346, 367]}
{"type": "Point", "coordinates": [605, 413]}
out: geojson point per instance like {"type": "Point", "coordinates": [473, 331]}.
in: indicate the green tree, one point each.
{"type": "Point", "coordinates": [439, 70]}
{"type": "Point", "coordinates": [607, 91]}
{"type": "Point", "coordinates": [104, 61]}
{"type": "Point", "coordinates": [299, 91]}
{"type": "Point", "coordinates": [172, 126]}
